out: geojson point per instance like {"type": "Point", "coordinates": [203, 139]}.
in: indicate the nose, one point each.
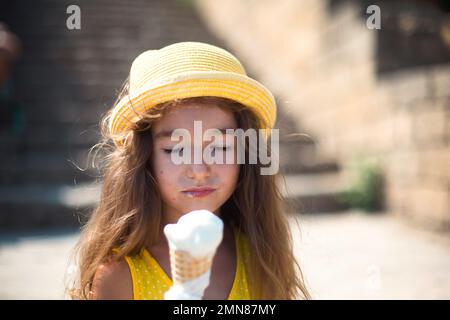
{"type": "Point", "coordinates": [198, 171]}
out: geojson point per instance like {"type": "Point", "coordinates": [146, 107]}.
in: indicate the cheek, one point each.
{"type": "Point", "coordinates": [162, 163]}
{"type": "Point", "coordinates": [165, 174]}
{"type": "Point", "coordinates": [229, 174]}
{"type": "Point", "coordinates": [166, 180]}
{"type": "Point", "coordinates": [164, 170]}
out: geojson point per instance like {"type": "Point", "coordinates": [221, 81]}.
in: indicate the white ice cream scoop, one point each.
{"type": "Point", "coordinates": [193, 242]}
{"type": "Point", "coordinates": [198, 232]}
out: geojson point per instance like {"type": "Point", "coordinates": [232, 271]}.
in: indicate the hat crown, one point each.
{"type": "Point", "coordinates": [155, 66]}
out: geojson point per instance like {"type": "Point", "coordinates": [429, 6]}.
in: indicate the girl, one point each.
{"type": "Point", "coordinates": [122, 251]}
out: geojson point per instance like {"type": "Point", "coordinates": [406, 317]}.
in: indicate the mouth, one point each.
{"type": "Point", "coordinates": [198, 192]}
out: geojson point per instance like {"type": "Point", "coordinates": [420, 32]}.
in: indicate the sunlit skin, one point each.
{"type": "Point", "coordinates": [173, 178]}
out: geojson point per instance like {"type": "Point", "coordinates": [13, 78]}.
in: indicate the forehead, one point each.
{"type": "Point", "coordinates": [183, 116]}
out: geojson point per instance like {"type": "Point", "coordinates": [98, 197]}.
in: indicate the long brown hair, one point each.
{"type": "Point", "coordinates": [129, 212]}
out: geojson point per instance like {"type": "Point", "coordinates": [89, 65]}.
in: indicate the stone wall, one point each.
{"type": "Point", "coordinates": [324, 67]}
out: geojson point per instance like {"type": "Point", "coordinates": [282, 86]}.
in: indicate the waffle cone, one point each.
{"type": "Point", "coordinates": [186, 267]}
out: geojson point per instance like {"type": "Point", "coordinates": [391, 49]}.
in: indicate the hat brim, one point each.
{"type": "Point", "coordinates": [240, 88]}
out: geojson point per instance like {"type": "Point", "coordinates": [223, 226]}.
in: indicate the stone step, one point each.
{"type": "Point", "coordinates": [61, 175]}
{"type": "Point", "coordinates": [314, 192]}
{"type": "Point", "coordinates": [302, 157]}
{"type": "Point", "coordinates": [56, 110]}
{"type": "Point", "coordinates": [46, 167]}
{"type": "Point", "coordinates": [29, 158]}
{"type": "Point", "coordinates": [42, 206]}
{"type": "Point", "coordinates": [298, 153]}
{"type": "Point", "coordinates": [49, 138]}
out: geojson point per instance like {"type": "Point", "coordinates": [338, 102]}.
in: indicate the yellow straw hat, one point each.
{"type": "Point", "coordinates": [185, 70]}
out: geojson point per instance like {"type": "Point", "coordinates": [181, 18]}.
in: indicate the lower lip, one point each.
{"type": "Point", "coordinates": [198, 194]}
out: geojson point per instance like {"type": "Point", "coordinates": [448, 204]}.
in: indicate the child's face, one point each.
{"type": "Point", "coordinates": [173, 179]}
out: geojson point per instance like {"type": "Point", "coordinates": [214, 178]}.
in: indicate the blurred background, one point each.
{"type": "Point", "coordinates": [364, 110]}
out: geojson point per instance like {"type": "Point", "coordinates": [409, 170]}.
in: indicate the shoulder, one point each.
{"type": "Point", "coordinates": [112, 281]}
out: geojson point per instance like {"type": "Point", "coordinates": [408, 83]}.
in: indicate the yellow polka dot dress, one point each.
{"type": "Point", "coordinates": [150, 281]}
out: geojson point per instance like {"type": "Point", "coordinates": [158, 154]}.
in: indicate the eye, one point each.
{"type": "Point", "coordinates": [169, 151]}
{"type": "Point", "coordinates": [219, 149]}
{"type": "Point", "coordinates": [223, 148]}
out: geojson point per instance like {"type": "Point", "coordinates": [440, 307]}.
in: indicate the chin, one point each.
{"type": "Point", "coordinates": [209, 208]}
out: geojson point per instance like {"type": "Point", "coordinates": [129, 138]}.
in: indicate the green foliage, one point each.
{"type": "Point", "coordinates": [366, 192]}
{"type": "Point", "coordinates": [187, 4]}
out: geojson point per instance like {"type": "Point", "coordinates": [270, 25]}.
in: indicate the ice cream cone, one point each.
{"type": "Point", "coordinates": [193, 242]}
{"type": "Point", "coordinates": [186, 267]}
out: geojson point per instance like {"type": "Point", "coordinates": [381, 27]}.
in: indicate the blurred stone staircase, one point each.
{"type": "Point", "coordinates": [40, 184]}
{"type": "Point", "coordinates": [311, 183]}
{"type": "Point", "coordinates": [67, 80]}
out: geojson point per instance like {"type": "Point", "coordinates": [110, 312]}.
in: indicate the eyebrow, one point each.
{"type": "Point", "coordinates": [168, 133]}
